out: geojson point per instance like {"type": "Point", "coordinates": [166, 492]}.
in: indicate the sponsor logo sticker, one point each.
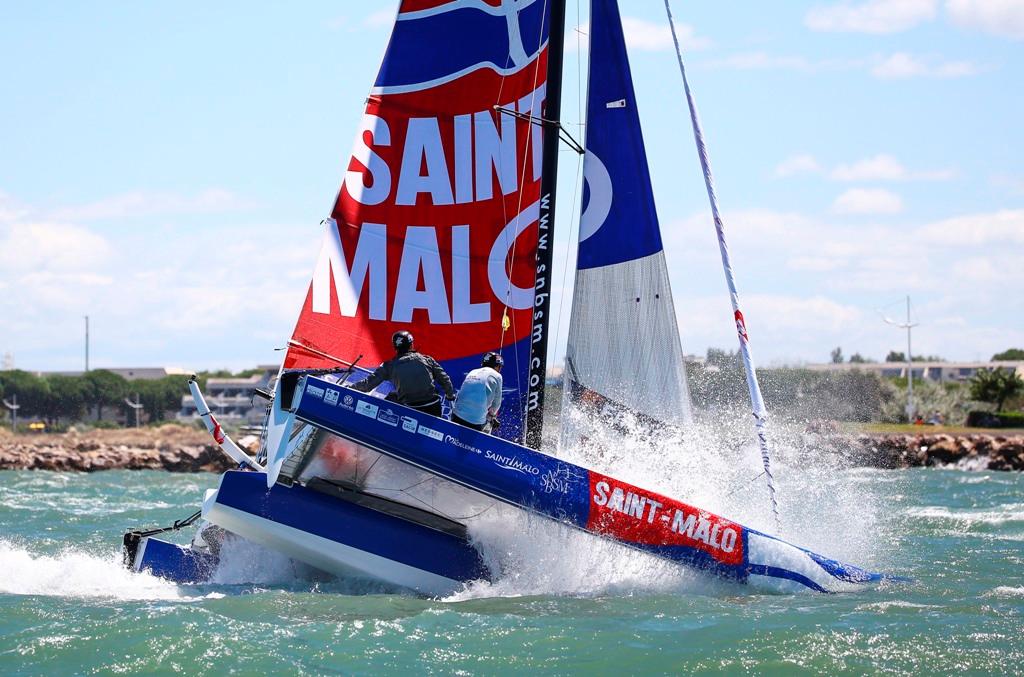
{"type": "Point", "coordinates": [389, 417]}
{"type": "Point", "coordinates": [557, 479]}
{"type": "Point", "coordinates": [511, 463]}
{"type": "Point", "coordinates": [409, 424]}
{"type": "Point", "coordinates": [430, 432]}
{"type": "Point", "coordinates": [347, 401]}
{"type": "Point", "coordinates": [366, 409]}
{"type": "Point", "coordinates": [331, 396]}
{"type": "Point", "coordinates": [314, 391]}
{"type": "Point", "coordinates": [455, 441]}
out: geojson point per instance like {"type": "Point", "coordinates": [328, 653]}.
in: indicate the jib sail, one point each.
{"type": "Point", "coordinates": [624, 350]}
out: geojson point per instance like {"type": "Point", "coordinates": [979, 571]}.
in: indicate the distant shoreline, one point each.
{"type": "Point", "coordinates": [173, 448]}
{"type": "Point", "coordinates": [176, 448]}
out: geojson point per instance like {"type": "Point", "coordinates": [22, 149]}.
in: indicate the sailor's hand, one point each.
{"type": "Point", "coordinates": [450, 398]}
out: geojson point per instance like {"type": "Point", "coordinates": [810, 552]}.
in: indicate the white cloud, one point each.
{"type": "Point", "coordinates": [1013, 184]}
{"type": "Point", "coordinates": [817, 264]}
{"type": "Point", "coordinates": [51, 247]}
{"type": "Point", "coordinates": [808, 283]}
{"type": "Point", "coordinates": [655, 36]}
{"type": "Point", "coordinates": [337, 22]}
{"type": "Point", "coordinates": [766, 61]}
{"type": "Point", "coordinates": [868, 201]}
{"type": "Point", "coordinates": [885, 167]}
{"type": "Point", "coordinates": [976, 269]}
{"type": "Point", "coordinates": [142, 203]}
{"type": "Point", "coordinates": [650, 36]}
{"type": "Point", "coordinates": [153, 296]}
{"type": "Point", "coordinates": [381, 18]}
{"type": "Point", "coordinates": [901, 65]}
{"type": "Point", "coordinates": [802, 163]}
{"type": "Point", "coordinates": [9, 209]}
{"type": "Point", "coordinates": [873, 16]}
{"type": "Point", "coordinates": [996, 228]}
{"type": "Point", "coordinates": [998, 17]}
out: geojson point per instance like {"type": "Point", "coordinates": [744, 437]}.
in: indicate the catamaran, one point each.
{"type": "Point", "coordinates": [443, 226]}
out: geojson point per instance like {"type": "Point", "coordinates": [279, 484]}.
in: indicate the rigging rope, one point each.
{"type": "Point", "coordinates": [560, 313]}
{"type": "Point", "coordinates": [756, 401]}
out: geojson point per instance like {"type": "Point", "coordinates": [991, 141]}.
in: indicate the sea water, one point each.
{"type": "Point", "coordinates": [563, 602]}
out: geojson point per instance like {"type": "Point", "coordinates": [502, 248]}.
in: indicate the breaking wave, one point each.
{"type": "Point", "coordinates": [825, 504]}
{"type": "Point", "coordinates": [73, 573]}
{"type": "Point", "coordinates": [1003, 514]}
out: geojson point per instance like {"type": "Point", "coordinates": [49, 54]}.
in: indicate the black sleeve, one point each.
{"type": "Point", "coordinates": [441, 376]}
{"type": "Point", "coordinates": [380, 374]}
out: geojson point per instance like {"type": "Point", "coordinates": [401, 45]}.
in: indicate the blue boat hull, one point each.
{"type": "Point", "coordinates": [565, 492]}
{"type": "Point", "coordinates": [176, 563]}
{"type": "Point", "coordinates": [343, 537]}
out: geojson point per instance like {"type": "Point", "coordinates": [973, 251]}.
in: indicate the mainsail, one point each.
{"type": "Point", "coordinates": [624, 347]}
{"type": "Point", "coordinates": [435, 227]}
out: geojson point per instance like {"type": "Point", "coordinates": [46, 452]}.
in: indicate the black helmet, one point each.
{"type": "Point", "coordinates": [402, 341]}
{"type": "Point", "coordinates": [494, 361]}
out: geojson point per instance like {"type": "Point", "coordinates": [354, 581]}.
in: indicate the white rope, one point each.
{"type": "Point", "coordinates": [756, 401]}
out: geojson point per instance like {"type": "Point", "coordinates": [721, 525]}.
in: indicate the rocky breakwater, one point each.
{"type": "Point", "coordinates": [971, 451]}
{"type": "Point", "coordinates": [170, 447]}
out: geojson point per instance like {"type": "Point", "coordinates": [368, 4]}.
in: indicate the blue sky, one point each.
{"type": "Point", "coordinates": [164, 168]}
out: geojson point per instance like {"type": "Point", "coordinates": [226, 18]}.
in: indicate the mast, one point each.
{"type": "Point", "coordinates": [546, 225]}
{"type": "Point", "coordinates": [756, 400]}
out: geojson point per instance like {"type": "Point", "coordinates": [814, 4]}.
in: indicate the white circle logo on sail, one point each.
{"type": "Point", "coordinates": [599, 182]}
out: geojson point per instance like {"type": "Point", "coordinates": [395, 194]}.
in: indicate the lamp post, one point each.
{"type": "Point", "coordinates": [910, 362]}
{"type": "Point", "coordinates": [14, 407]}
{"type": "Point", "coordinates": [136, 406]}
{"type": "Point", "coordinates": [86, 342]}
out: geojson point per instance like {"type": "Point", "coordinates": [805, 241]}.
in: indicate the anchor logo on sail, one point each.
{"type": "Point", "coordinates": [503, 38]}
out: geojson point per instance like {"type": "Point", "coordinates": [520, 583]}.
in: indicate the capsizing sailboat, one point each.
{"type": "Point", "coordinates": [443, 226]}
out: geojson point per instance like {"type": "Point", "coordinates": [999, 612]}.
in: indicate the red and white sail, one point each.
{"type": "Point", "coordinates": [435, 227]}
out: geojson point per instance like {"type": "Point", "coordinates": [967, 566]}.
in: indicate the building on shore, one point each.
{"type": "Point", "coordinates": [233, 400]}
{"type": "Point", "coordinates": [938, 372]}
{"type": "Point", "coordinates": [127, 373]}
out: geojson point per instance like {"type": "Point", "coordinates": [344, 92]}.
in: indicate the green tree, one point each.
{"type": "Point", "coordinates": [67, 398]}
{"type": "Point", "coordinates": [837, 355]}
{"type": "Point", "coordinates": [32, 392]}
{"type": "Point", "coordinates": [894, 356]}
{"type": "Point", "coordinates": [996, 386]}
{"type": "Point", "coordinates": [1011, 354]}
{"type": "Point", "coordinates": [104, 388]}
{"type": "Point", "coordinates": [160, 395]}
{"type": "Point", "coordinates": [857, 358]}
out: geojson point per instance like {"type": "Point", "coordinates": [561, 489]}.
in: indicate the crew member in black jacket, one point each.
{"type": "Point", "coordinates": [413, 374]}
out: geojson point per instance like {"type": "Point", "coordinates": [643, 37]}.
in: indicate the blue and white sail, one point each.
{"type": "Point", "coordinates": [624, 348]}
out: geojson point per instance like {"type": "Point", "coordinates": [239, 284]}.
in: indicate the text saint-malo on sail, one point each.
{"type": "Point", "coordinates": [437, 222]}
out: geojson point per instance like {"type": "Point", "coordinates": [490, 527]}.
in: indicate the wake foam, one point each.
{"type": "Point", "coordinates": [73, 573]}
{"type": "Point", "coordinates": [826, 505]}
{"type": "Point", "coordinates": [76, 574]}
{"type": "Point", "coordinates": [998, 515]}
{"type": "Point", "coordinates": [531, 555]}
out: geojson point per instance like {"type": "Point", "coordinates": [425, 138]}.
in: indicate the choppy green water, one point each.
{"type": "Point", "coordinates": [66, 606]}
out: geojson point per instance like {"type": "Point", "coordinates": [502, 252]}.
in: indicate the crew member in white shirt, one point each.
{"type": "Point", "coordinates": [479, 397]}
